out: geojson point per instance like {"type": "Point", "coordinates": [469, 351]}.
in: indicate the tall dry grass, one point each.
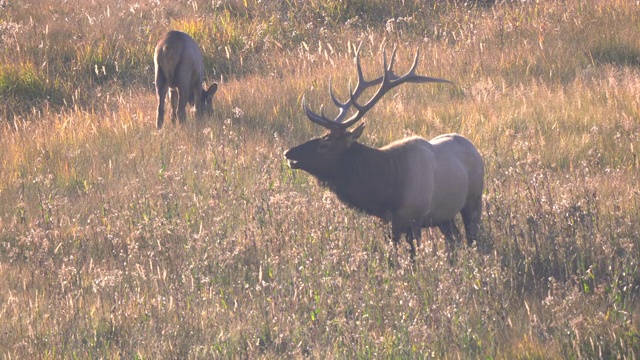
{"type": "Point", "coordinates": [121, 241]}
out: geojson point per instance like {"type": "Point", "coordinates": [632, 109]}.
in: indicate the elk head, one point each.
{"type": "Point", "coordinates": [320, 156]}
{"type": "Point", "coordinates": [205, 105]}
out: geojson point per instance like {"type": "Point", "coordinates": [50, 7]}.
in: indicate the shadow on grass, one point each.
{"type": "Point", "coordinates": [618, 54]}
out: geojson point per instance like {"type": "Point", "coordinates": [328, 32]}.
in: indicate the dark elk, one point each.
{"type": "Point", "coordinates": [179, 69]}
{"type": "Point", "coordinates": [413, 183]}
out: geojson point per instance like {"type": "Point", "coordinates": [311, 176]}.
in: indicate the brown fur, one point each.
{"type": "Point", "coordinates": [412, 183]}
{"type": "Point", "coordinates": [179, 67]}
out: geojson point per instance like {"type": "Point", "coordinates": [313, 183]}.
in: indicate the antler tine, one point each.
{"type": "Point", "coordinates": [318, 119]}
{"type": "Point", "coordinates": [412, 77]}
{"type": "Point", "coordinates": [362, 83]}
{"type": "Point", "coordinates": [353, 94]}
{"type": "Point", "coordinates": [359, 71]}
{"type": "Point", "coordinates": [335, 100]}
{"type": "Point", "coordinates": [393, 58]}
{"type": "Point", "coordinates": [415, 62]}
{"type": "Point", "coordinates": [386, 86]}
{"type": "Point", "coordinates": [388, 81]}
{"type": "Point", "coordinates": [343, 106]}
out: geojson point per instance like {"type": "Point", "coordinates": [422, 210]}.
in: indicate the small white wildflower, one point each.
{"type": "Point", "coordinates": [390, 25]}
{"type": "Point", "coordinates": [237, 113]}
{"type": "Point", "coordinates": [354, 21]}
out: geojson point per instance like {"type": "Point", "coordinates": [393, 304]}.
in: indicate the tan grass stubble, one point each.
{"type": "Point", "coordinates": [121, 241]}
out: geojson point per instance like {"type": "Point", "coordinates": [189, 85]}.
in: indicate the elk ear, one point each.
{"type": "Point", "coordinates": [211, 90]}
{"type": "Point", "coordinates": [357, 132]}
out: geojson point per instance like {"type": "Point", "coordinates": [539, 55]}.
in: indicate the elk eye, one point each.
{"type": "Point", "coordinates": [323, 147]}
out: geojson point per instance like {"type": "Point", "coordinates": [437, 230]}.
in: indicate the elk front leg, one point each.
{"type": "Point", "coordinates": [174, 97]}
{"type": "Point", "coordinates": [183, 100]}
{"type": "Point", "coordinates": [414, 233]}
{"type": "Point", "coordinates": [410, 229]}
{"type": "Point", "coordinates": [197, 92]}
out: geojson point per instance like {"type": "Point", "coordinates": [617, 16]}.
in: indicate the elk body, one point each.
{"type": "Point", "coordinates": [413, 183]}
{"type": "Point", "coordinates": [179, 70]}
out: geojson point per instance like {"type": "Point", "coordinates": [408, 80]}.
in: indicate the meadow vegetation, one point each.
{"type": "Point", "coordinates": [198, 241]}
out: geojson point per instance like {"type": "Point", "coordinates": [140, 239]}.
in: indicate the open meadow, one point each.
{"type": "Point", "coordinates": [198, 241]}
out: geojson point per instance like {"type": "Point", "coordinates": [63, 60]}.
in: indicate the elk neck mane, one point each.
{"type": "Point", "coordinates": [364, 179]}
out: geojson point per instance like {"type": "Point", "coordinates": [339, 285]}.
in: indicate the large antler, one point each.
{"type": "Point", "coordinates": [388, 79]}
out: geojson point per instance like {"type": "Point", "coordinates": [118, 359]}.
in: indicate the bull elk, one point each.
{"type": "Point", "coordinates": [413, 183]}
{"type": "Point", "coordinates": [179, 69]}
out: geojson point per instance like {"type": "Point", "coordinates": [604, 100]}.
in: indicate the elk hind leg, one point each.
{"type": "Point", "coordinates": [451, 234]}
{"type": "Point", "coordinates": [182, 106]}
{"type": "Point", "coordinates": [173, 97]}
{"type": "Point", "coordinates": [414, 233]}
{"type": "Point", "coordinates": [471, 214]}
{"type": "Point", "coordinates": [161, 92]}
{"type": "Point", "coordinates": [181, 100]}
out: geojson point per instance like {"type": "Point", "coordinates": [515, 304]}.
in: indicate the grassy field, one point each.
{"type": "Point", "coordinates": [121, 241]}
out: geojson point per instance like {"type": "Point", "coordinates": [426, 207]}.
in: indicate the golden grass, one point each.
{"type": "Point", "coordinates": [121, 241]}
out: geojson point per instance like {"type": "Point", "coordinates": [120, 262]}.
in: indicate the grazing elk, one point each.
{"type": "Point", "coordinates": [413, 183]}
{"type": "Point", "coordinates": [178, 63]}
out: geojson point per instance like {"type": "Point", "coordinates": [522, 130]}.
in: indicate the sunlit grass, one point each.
{"type": "Point", "coordinates": [198, 241]}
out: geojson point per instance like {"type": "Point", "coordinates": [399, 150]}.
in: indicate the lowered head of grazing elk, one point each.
{"type": "Point", "coordinates": [413, 183]}
{"type": "Point", "coordinates": [179, 69]}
